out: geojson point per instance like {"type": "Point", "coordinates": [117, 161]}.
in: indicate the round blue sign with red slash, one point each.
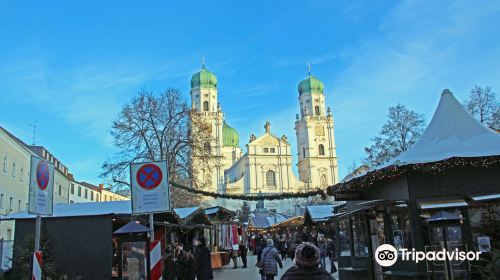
{"type": "Point", "coordinates": [149, 176]}
{"type": "Point", "coordinates": [42, 175]}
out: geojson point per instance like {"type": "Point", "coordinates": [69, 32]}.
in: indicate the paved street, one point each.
{"type": "Point", "coordinates": [250, 273]}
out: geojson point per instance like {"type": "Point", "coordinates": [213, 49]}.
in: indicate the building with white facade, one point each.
{"type": "Point", "coordinates": [266, 165]}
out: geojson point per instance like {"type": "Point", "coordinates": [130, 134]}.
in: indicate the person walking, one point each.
{"type": "Point", "coordinates": [203, 260]}
{"type": "Point", "coordinates": [186, 264]}
{"type": "Point", "coordinates": [269, 261]}
{"type": "Point", "coordinates": [292, 244]}
{"type": "Point", "coordinates": [306, 265]}
{"type": "Point", "coordinates": [333, 255]}
{"type": "Point", "coordinates": [170, 266]}
{"type": "Point", "coordinates": [243, 252]}
{"type": "Point", "coordinates": [234, 255]}
{"type": "Point", "coordinates": [323, 250]}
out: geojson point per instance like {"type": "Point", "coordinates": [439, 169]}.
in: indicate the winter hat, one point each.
{"type": "Point", "coordinates": [307, 255]}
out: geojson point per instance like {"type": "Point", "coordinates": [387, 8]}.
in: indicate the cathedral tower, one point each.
{"type": "Point", "coordinates": [315, 136]}
{"type": "Point", "coordinates": [207, 172]}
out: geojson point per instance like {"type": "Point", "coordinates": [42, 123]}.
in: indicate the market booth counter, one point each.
{"type": "Point", "coordinates": [220, 237]}
{"type": "Point", "coordinates": [442, 193]}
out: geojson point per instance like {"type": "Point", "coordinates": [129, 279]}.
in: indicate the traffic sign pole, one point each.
{"type": "Point", "coordinates": [38, 226]}
{"type": "Point", "coordinates": [151, 227]}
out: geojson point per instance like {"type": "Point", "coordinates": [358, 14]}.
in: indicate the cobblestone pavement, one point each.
{"type": "Point", "coordinates": [251, 272]}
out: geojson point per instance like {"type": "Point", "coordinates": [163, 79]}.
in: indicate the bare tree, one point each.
{"type": "Point", "coordinates": [403, 128]}
{"type": "Point", "coordinates": [155, 128]}
{"type": "Point", "coordinates": [483, 105]}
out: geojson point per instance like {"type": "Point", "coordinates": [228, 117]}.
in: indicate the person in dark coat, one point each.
{"type": "Point", "coordinates": [203, 260]}
{"type": "Point", "coordinates": [269, 260]}
{"type": "Point", "coordinates": [186, 264]}
{"type": "Point", "coordinates": [306, 267]}
{"type": "Point", "coordinates": [170, 266]}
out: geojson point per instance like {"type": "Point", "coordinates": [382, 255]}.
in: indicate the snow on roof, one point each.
{"type": "Point", "coordinates": [267, 221]}
{"type": "Point", "coordinates": [123, 207]}
{"type": "Point", "coordinates": [319, 213]}
{"type": "Point", "coordinates": [185, 212]}
{"type": "Point", "coordinates": [452, 132]}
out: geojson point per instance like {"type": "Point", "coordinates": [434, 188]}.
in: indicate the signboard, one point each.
{"type": "Point", "coordinates": [343, 196]}
{"type": "Point", "coordinates": [150, 187]}
{"type": "Point", "coordinates": [41, 191]}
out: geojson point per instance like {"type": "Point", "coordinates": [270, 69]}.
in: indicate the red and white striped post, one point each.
{"type": "Point", "coordinates": [155, 260]}
{"type": "Point", "coordinates": [37, 266]}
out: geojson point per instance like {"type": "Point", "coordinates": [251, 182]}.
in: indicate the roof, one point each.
{"type": "Point", "coordinates": [122, 207]}
{"type": "Point", "coordinates": [319, 213]}
{"type": "Point", "coordinates": [310, 84]}
{"type": "Point", "coordinates": [204, 78]}
{"type": "Point", "coordinates": [132, 227]}
{"type": "Point", "coordinates": [267, 221]}
{"type": "Point", "coordinates": [452, 132]}
{"type": "Point", "coordinates": [230, 137]}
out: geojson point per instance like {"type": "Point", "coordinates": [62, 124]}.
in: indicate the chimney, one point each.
{"type": "Point", "coordinates": [101, 186]}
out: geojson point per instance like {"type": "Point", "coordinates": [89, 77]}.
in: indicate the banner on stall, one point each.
{"type": "Point", "coordinates": [41, 190]}
{"type": "Point", "coordinates": [150, 187]}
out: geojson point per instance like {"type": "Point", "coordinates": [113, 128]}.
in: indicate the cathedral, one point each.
{"type": "Point", "coordinates": [265, 166]}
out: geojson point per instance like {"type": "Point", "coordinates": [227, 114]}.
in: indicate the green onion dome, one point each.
{"type": "Point", "coordinates": [310, 84]}
{"type": "Point", "coordinates": [204, 79]}
{"type": "Point", "coordinates": [230, 137]}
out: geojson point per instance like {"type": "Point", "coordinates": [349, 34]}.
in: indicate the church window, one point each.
{"type": "Point", "coordinates": [272, 150]}
{"type": "Point", "coordinates": [323, 181]}
{"type": "Point", "coordinates": [206, 146]}
{"type": "Point", "coordinates": [316, 110]}
{"type": "Point", "coordinates": [270, 178]}
{"type": "Point", "coordinates": [205, 106]}
{"type": "Point", "coordinates": [321, 150]}
{"type": "Point", "coordinates": [303, 152]}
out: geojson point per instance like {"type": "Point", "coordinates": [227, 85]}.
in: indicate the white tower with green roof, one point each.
{"type": "Point", "coordinates": [317, 156]}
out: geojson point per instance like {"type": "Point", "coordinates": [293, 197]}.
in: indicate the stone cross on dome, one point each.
{"type": "Point", "coordinates": [309, 67]}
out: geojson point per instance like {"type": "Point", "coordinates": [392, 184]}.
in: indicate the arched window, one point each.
{"type": "Point", "coordinates": [205, 106]}
{"type": "Point", "coordinates": [270, 178]}
{"type": "Point", "coordinates": [303, 152]}
{"type": "Point", "coordinates": [321, 150]}
{"type": "Point", "coordinates": [323, 181]}
{"type": "Point", "coordinates": [206, 146]}
{"type": "Point", "coordinates": [316, 110]}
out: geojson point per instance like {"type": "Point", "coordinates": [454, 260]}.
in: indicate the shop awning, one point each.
{"type": "Point", "coordinates": [132, 227]}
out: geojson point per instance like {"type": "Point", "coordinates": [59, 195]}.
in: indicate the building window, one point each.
{"type": "Point", "coordinates": [316, 110]}
{"type": "Point", "coordinates": [86, 193]}
{"type": "Point", "coordinates": [323, 181]}
{"type": "Point", "coordinates": [79, 191]}
{"type": "Point", "coordinates": [205, 106]}
{"type": "Point", "coordinates": [303, 152]}
{"type": "Point", "coordinates": [72, 188]}
{"type": "Point", "coordinates": [19, 206]}
{"type": "Point", "coordinates": [207, 147]}
{"type": "Point", "coordinates": [4, 164]}
{"type": "Point", "coordinates": [270, 178]}
{"type": "Point", "coordinates": [321, 150]}
{"type": "Point", "coordinates": [13, 169]}
{"type": "Point", "coordinates": [21, 174]}
{"type": "Point", "coordinates": [266, 150]}
{"type": "Point", "coordinates": [91, 195]}
{"type": "Point", "coordinates": [272, 150]}
{"type": "Point", "coordinates": [9, 234]}
{"type": "Point", "coordinates": [10, 203]}
{"type": "Point", "coordinates": [1, 201]}
{"type": "Point", "coordinates": [71, 201]}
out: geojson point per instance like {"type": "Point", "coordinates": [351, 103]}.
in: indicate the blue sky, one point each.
{"type": "Point", "coordinates": [71, 66]}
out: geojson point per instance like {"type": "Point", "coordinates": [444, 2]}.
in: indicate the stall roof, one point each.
{"type": "Point", "coordinates": [123, 207]}
{"type": "Point", "coordinates": [451, 133]}
{"type": "Point", "coordinates": [132, 227]}
{"type": "Point", "coordinates": [267, 221]}
{"type": "Point", "coordinates": [213, 211]}
{"type": "Point", "coordinates": [320, 213]}
{"type": "Point", "coordinates": [186, 212]}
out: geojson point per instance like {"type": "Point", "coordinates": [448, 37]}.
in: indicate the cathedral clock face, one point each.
{"type": "Point", "coordinates": [320, 130]}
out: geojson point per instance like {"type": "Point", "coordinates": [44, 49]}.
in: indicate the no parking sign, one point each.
{"type": "Point", "coordinates": [41, 191]}
{"type": "Point", "coordinates": [150, 187]}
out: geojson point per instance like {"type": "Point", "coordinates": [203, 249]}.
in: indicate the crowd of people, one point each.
{"type": "Point", "coordinates": [188, 262]}
{"type": "Point", "coordinates": [308, 251]}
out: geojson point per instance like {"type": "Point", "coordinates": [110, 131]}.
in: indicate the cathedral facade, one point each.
{"type": "Point", "coordinates": [265, 167]}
